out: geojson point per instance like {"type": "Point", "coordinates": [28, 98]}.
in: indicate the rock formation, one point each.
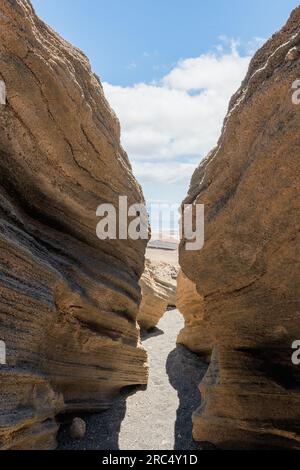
{"type": "Point", "coordinates": [196, 332]}
{"type": "Point", "coordinates": [247, 274]}
{"type": "Point", "coordinates": [158, 284]}
{"type": "Point", "coordinates": [68, 301]}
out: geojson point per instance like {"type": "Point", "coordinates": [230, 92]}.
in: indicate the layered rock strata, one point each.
{"type": "Point", "coordinates": [68, 301]}
{"type": "Point", "coordinates": [196, 332]}
{"type": "Point", "coordinates": [158, 284]}
{"type": "Point", "coordinates": [248, 273]}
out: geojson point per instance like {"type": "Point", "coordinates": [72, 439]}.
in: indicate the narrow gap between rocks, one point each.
{"type": "Point", "coordinates": [159, 416]}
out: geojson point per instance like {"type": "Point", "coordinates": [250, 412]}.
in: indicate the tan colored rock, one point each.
{"type": "Point", "coordinates": [68, 301]}
{"type": "Point", "coordinates": [78, 429]}
{"type": "Point", "coordinates": [166, 274]}
{"type": "Point", "coordinates": [158, 284]}
{"type": "Point", "coordinates": [196, 332]}
{"type": "Point", "coordinates": [293, 54]}
{"type": "Point", "coordinates": [248, 272]}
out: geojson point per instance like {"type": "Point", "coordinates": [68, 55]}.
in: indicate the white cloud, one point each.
{"type": "Point", "coordinates": [168, 125]}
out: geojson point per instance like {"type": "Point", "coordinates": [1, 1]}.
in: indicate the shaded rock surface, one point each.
{"type": "Point", "coordinates": [68, 301]}
{"type": "Point", "coordinates": [158, 284]}
{"type": "Point", "coordinates": [248, 271]}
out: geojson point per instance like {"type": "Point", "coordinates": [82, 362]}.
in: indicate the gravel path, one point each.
{"type": "Point", "coordinates": [156, 418]}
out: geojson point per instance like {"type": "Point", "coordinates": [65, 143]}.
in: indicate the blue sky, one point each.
{"type": "Point", "coordinates": [115, 34]}
{"type": "Point", "coordinates": [169, 68]}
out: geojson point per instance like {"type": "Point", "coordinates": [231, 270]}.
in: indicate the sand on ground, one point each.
{"type": "Point", "coordinates": [158, 417]}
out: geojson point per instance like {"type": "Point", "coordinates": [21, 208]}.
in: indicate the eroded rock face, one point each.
{"type": "Point", "coordinates": [68, 301]}
{"type": "Point", "coordinates": [158, 284]}
{"type": "Point", "coordinates": [78, 428]}
{"type": "Point", "coordinates": [248, 271]}
{"type": "Point", "coordinates": [196, 334]}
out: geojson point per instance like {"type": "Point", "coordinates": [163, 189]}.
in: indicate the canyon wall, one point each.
{"type": "Point", "coordinates": [196, 332]}
{"type": "Point", "coordinates": [68, 301]}
{"type": "Point", "coordinates": [247, 275]}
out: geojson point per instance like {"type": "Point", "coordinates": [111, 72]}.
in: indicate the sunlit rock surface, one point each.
{"type": "Point", "coordinates": [68, 301]}
{"type": "Point", "coordinates": [248, 272]}
{"type": "Point", "coordinates": [158, 284]}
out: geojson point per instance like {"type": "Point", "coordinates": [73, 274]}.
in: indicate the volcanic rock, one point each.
{"type": "Point", "coordinates": [293, 54]}
{"type": "Point", "coordinates": [196, 332]}
{"type": "Point", "coordinates": [248, 272]}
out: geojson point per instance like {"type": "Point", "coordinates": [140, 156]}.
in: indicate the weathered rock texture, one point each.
{"type": "Point", "coordinates": [68, 301]}
{"type": "Point", "coordinates": [158, 284]}
{"type": "Point", "coordinates": [196, 332]}
{"type": "Point", "coordinates": [248, 271]}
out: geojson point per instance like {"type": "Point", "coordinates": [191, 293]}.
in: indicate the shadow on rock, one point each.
{"type": "Point", "coordinates": [185, 370]}
{"type": "Point", "coordinates": [146, 334]}
{"type": "Point", "coordinates": [102, 428]}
